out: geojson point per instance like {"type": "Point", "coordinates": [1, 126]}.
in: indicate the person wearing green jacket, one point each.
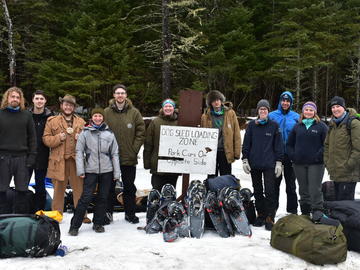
{"type": "Point", "coordinates": [167, 116]}
{"type": "Point", "coordinates": [129, 128]}
{"type": "Point", "coordinates": [342, 149]}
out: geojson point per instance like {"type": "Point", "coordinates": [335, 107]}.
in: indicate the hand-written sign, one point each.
{"type": "Point", "coordinates": [187, 150]}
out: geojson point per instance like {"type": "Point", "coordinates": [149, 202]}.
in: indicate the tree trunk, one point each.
{"type": "Point", "coordinates": [166, 50]}
{"type": "Point", "coordinates": [315, 89]}
{"type": "Point", "coordinates": [12, 54]}
{"type": "Point", "coordinates": [327, 89]}
{"type": "Point", "coordinates": [298, 79]}
{"type": "Point", "coordinates": [358, 81]}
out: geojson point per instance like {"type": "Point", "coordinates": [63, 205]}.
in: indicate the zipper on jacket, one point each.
{"type": "Point", "coordinates": [99, 145]}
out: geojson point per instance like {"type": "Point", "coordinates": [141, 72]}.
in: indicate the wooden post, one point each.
{"type": "Point", "coordinates": [190, 110]}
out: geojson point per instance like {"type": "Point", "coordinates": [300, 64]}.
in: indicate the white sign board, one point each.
{"type": "Point", "coordinates": [187, 150]}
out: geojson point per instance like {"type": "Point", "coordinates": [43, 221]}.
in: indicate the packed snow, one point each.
{"type": "Point", "coordinates": [122, 246]}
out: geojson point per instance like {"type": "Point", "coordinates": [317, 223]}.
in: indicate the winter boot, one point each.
{"type": "Point", "coordinates": [305, 209]}
{"type": "Point", "coordinates": [98, 228]}
{"type": "Point", "coordinates": [319, 217]}
{"type": "Point", "coordinates": [73, 231]}
{"type": "Point", "coordinates": [259, 221]}
{"type": "Point", "coordinates": [269, 223]}
{"type": "Point", "coordinates": [133, 219]}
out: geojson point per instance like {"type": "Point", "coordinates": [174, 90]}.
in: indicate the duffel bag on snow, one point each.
{"type": "Point", "coordinates": [28, 236]}
{"type": "Point", "coordinates": [316, 243]}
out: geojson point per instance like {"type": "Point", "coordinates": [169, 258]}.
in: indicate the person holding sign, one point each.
{"type": "Point", "coordinates": [223, 117]}
{"type": "Point", "coordinates": [167, 116]}
{"type": "Point", "coordinates": [262, 156]}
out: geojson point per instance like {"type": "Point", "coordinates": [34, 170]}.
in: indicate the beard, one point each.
{"type": "Point", "coordinates": [14, 104]}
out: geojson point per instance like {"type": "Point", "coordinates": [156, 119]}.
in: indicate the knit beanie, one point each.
{"type": "Point", "coordinates": [310, 104]}
{"type": "Point", "coordinates": [338, 101]}
{"type": "Point", "coordinates": [97, 110]}
{"type": "Point", "coordinates": [263, 103]}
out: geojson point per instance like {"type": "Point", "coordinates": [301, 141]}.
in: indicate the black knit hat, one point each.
{"type": "Point", "coordinates": [214, 95]}
{"type": "Point", "coordinates": [263, 103]}
{"type": "Point", "coordinates": [338, 101]}
{"type": "Point", "coordinates": [97, 110]}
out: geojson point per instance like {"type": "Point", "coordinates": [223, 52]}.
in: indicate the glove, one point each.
{"type": "Point", "coordinates": [278, 169]}
{"type": "Point", "coordinates": [30, 161]}
{"type": "Point", "coordinates": [246, 166]}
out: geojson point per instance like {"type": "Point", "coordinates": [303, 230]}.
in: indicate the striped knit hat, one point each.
{"type": "Point", "coordinates": [310, 104]}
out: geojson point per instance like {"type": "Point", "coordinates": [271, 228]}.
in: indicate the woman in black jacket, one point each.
{"type": "Point", "coordinates": [305, 147]}
{"type": "Point", "coordinates": [262, 157]}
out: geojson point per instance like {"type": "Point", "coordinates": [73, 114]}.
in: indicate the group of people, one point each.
{"type": "Point", "coordinates": [93, 157]}
{"type": "Point", "coordinates": [61, 147]}
{"type": "Point", "coordinates": [282, 142]}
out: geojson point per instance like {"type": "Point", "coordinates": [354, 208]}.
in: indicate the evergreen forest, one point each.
{"type": "Point", "coordinates": [248, 50]}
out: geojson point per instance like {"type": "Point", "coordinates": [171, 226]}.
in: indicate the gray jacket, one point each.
{"type": "Point", "coordinates": [97, 152]}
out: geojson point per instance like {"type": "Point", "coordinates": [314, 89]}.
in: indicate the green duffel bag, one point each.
{"type": "Point", "coordinates": [28, 236]}
{"type": "Point", "coordinates": [316, 243]}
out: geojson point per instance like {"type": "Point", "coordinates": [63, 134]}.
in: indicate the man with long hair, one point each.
{"type": "Point", "coordinates": [60, 135]}
{"type": "Point", "coordinates": [17, 149]}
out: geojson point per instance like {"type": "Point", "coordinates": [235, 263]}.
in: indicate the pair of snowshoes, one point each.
{"type": "Point", "coordinates": [227, 212]}
{"type": "Point", "coordinates": [194, 202]}
{"type": "Point", "coordinates": [166, 215]}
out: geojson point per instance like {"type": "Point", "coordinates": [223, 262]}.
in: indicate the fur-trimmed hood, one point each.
{"type": "Point", "coordinates": [214, 95]}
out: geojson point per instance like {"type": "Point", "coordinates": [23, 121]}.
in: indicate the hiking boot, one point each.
{"type": "Point", "coordinates": [98, 228]}
{"type": "Point", "coordinates": [132, 219]}
{"type": "Point", "coordinates": [269, 223]}
{"type": "Point", "coordinates": [319, 217]}
{"type": "Point", "coordinates": [73, 231]}
{"type": "Point", "coordinates": [259, 222]}
{"type": "Point", "coordinates": [305, 209]}
{"type": "Point", "coordinates": [86, 220]}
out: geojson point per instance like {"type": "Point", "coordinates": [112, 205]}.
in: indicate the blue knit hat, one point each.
{"type": "Point", "coordinates": [168, 101]}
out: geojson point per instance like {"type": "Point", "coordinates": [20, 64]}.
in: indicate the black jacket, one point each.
{"type": "Point", "coordinates": [263, 145]}
{"type": "Point", "coordinates": [348, 212]}
{"type": "Point", "coordinates": [42, 157]}
{"type": "Point", "coordinates": [306, 146]}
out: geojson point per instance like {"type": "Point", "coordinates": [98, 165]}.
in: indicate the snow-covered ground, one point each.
{"type": "Point", "coordinates": [122, 246]}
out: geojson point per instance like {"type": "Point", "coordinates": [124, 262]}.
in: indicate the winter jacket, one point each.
{"type": "Point", "coordinates": [230, 131]}
{"type": "Point", "coordinates": [286, 120]}
{"type": "Point", "coordinates": [152, 140]}
{"type": "Point", "coordinates": [17, 134]}
{"type": "Point", "coordinates": [51, 138]}
{"type": "Point", "coordinates": [97, 152]}
{"type": "Point", "coordinates": [342, 150]}
{"type": "Point", "coordinates": [129, 129]}
{"type": "Point", "coordinates": [306, 146]}
{"type": "Point", "coordinates": [262, 145]}
{"type": "Point", "coordinates": [42, 155]}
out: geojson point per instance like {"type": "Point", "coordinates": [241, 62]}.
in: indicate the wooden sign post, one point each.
{"type": "Point", "coordinates": [190, 110]}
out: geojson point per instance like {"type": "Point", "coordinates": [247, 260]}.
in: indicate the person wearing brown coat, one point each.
{"type": "Point", "coordinates": [167, 116]}
{"type": "Point", "coordinates": [223, 117]}
{"type": "Point", "coordinates": [60, 135]}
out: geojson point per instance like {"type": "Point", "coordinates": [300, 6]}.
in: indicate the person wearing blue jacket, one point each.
{"type": "Point", "coordinates": [262, 155]}
{"type": "Point", "coordinates": [305, 147]}
{"type": "Point", "coordinates": [287, 119]}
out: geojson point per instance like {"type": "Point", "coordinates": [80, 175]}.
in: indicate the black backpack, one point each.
{"type": "Point", "coordinates": [28, 236]}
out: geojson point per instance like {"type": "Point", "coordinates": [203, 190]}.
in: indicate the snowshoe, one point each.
{"type": "Point", "coordinates": [195, 206]}
{"type": "Point", "coordinates": [177, 212]}
{"type": "Point", "coordinates": [157, 223]}
{"type": "Point", "coordinates": [170, 231]}
{"type": "Point", "coordinates": [168, 194]}
{"type": "Point", "coordinates": [153, 204]}
{"type": "Point", "coordinates": [234, 206]}
{"type": "Point", "coordinates": [213, 208]}
{"type": "Point", "coordinates": [224, 213]}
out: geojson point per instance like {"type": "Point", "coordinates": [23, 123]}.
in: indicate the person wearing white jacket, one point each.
{"type": "Point", "coordinates": [97, 162]}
